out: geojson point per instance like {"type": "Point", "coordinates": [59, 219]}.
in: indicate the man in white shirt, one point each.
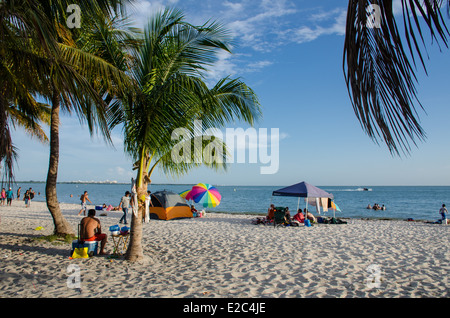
{"type": "Point", "coordinates": [125, 203]}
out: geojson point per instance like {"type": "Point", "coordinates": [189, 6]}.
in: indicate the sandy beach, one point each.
{"type": "Point", "coordinates": [225, 255]}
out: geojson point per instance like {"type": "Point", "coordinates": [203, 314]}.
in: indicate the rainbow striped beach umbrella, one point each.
{"type": "Point", "coordinates": [205, 194]}
{"type": "Point", "coordinates": [185, 194]}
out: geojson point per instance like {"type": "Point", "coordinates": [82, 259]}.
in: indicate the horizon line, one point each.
{"type": "Point", "coordinates": [108, 182]}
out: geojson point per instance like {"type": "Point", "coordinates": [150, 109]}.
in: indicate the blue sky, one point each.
{"type": "Point", "coordinates": [290, 53]}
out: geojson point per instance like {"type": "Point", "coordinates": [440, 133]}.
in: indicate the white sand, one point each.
{"type": "Point", "coordinates": [224, 255]}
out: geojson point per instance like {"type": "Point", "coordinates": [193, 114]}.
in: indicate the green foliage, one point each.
{"type": "Point", "coordinates": [171, 92]}
{"type": "Point", "coordinates": [380, 69]}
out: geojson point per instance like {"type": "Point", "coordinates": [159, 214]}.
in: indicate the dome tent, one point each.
{"type": "Point", "coordinates": [168, 205]}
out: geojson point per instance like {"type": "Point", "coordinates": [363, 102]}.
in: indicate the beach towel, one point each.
{"type": "Point", "coordinates": [324, 203]}
{"type": "Point", "coordinates": [147, 210]}
{"type": "Point", "coordinates": [317, 205]}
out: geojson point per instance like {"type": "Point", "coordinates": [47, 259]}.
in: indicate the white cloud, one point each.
{"type": "Point", "coordinates": [233, 5]}
{"type": "Point", "coordinates": [258, 66]}
{"type": "Point", "coordinates": [120, 173]}
{"type": "Point", "coordinates": [256, 25]}
{"type": "Point", "coordinates": [140, 11]}
{"type": "Point", "coordinates": [225, 66]}
{"type": "Point", "coordinates": [310, 33]}
{"type": "Point", "coordinates": [277, 23]}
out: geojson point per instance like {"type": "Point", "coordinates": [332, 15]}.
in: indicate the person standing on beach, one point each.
{"type": "Point", "coordinates": [443, 211]}
{"type": "Point", "coordinates": [84, 197]}
{"type": "Point", "coordinates": [18, 193]}
{"type": "Point", "coordinates": [9, 196]}
{"type": "Point", "coordinates": [3, 196]}
{"type": "Point", "coordinates": [125, 203]}
{"type": "Point", "coordinates": [28, 196]}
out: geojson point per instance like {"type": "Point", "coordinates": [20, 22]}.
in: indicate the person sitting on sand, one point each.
{"type": "Point", "coordinates": [91, 230]}
{"type": "Point", "coordinates": [271, 212]}
{"type": "Point", "coordinates": [287, 216]}
{"type": "Point", "coordinates": [299, 217]}
{"type": "Point", "coordinates": [310, 216]}
{"type": "Point", "coordinates": [194, 210]}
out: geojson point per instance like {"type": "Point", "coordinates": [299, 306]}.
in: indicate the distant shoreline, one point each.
{"type": "Point", "coordinates": [227, 185]}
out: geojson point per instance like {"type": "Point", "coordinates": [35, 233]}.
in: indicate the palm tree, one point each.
{"type": "Point", "coordinates": [40, 58]}
{"type": "Point", "coordinates": [77, 81]}
{"type": "Point", "coordinates": [380, 71]}
{"type": "Point", "coordinates": [170, 94]}
{"type": "Point", "coordinates": [19, 78]}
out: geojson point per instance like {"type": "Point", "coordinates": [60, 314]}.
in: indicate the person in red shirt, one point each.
{"type": "Point", "coordinates": [299, 217]}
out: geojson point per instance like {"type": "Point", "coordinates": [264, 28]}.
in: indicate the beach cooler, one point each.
{"type": "Point", "coordinates": [91, 245]}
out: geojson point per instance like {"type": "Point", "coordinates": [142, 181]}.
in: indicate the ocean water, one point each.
{"type": "Point", "coordinates": [402, 202]}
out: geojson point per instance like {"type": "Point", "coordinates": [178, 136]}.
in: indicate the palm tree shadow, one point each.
{"type": "Point", "coordinates": [28, 245]}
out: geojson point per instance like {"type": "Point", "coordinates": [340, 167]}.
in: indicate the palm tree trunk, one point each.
{"type": "Point", "coordinates": [62, 227]}
{"type": "Point", "coordinates": [135, 251]}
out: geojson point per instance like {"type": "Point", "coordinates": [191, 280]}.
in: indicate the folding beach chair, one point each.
{"type": "Point", "coordinates": [279, 217]}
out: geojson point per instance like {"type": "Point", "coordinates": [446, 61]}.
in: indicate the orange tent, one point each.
{"type": "Point", "coordinates": [167, 205]}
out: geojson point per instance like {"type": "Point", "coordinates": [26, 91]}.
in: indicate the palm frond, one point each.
{"type": "Point", "coordinates": [380, 78]}
{"type": "Point", "coordinates": [171, 95]}
{"type": "Point", "coordinates": [197, 151]}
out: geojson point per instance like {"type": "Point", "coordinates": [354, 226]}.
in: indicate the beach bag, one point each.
{"type": "Point", "coordinates": [124, 230]}
{"type": "Point", "coordinates": [80, 252]}
{"type": "Point", "coordinates": [307, 223]}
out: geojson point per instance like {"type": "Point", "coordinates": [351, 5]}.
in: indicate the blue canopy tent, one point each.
{"type": "Point", "coordinates": [302, 190]}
